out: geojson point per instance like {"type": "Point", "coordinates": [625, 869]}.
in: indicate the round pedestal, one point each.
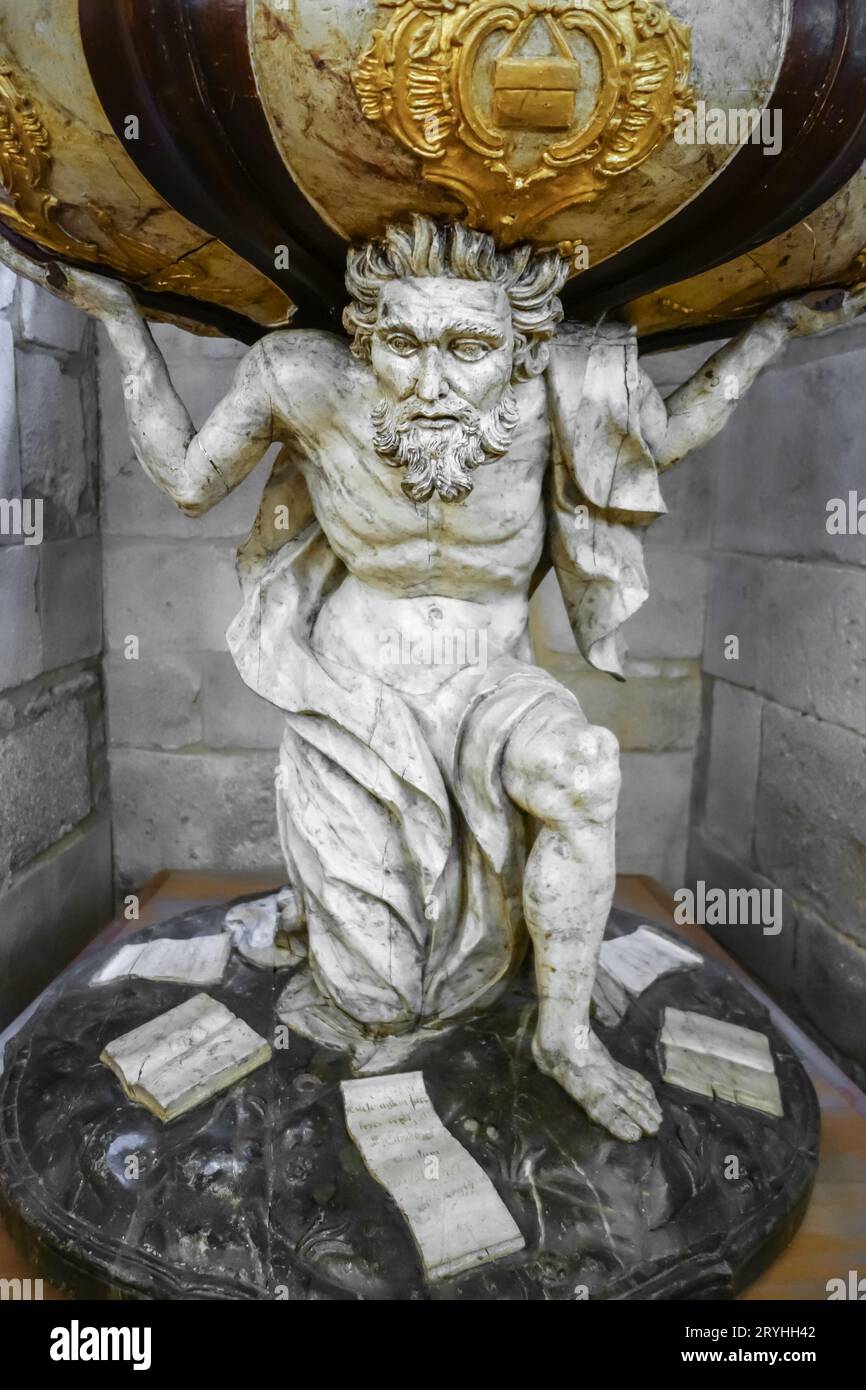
{"type": "Point", "coordinates": [261, 1193]}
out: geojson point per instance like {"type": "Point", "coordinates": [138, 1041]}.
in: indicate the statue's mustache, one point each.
{"type": "Point", "coordinates": [408, 412]}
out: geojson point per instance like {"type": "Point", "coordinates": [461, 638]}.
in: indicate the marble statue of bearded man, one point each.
{"type": "Point", "coordinates": [443, 802]}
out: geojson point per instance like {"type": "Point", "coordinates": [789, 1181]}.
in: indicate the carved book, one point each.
{"type": "Point", "coordinates": [185, 1056]}
{"type": "Point", "coordinates": [716, 1058]}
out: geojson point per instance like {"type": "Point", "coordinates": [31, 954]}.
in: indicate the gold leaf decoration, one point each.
{"type": "Point", "coordinates": [516, 133]}
{"type": "Point", "coordinates": [34, 212]}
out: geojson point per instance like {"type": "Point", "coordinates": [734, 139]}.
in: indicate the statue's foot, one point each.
{"type": "Point", "coordinates": [614, 1096]}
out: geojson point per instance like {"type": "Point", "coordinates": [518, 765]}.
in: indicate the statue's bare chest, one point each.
{"type": "Point", "coordinates": [359, 499]}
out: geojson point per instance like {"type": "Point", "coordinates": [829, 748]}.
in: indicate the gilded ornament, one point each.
{"type": "Point", "coordinates": [523, 108]}
{"type": "Point", "coordinates": [34, 212]}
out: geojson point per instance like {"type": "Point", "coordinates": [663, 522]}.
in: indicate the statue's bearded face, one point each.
{"type": "Point", "coordinates": [443, 354]}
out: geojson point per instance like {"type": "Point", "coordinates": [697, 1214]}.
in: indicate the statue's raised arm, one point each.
{"type": "Point", "coordinates": [702, 406]}
{"type": "Point", "coordinates": [195, 469]}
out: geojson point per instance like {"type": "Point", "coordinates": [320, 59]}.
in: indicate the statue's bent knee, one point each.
{"type": "Point", "coordinates": [562, 769]}
{"type": "Point", "coordinates": [595, 772]}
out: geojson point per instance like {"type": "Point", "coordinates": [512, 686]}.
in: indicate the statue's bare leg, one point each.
{"type": "Point", "coordinates": [565, 773]}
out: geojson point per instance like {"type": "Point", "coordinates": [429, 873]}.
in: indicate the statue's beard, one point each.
{"type": "Point", "coordinates": [440, 459]}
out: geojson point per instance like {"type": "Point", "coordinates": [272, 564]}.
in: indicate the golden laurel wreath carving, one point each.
{"type": "Point", "coordinates": [462, 84]}
{"type": "Point", "coordinates": [35, 212]}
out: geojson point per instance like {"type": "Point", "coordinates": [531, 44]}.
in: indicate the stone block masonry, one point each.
{"type": "Point", "coordinates": [779, 785]}
{"type": "Point", "coordinates": [192, 751]}
{"type": "Point", "coordinates": [55, 842]}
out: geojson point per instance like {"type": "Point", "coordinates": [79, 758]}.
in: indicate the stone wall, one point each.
{"type": "Point", "coordinates": [55, 844]}
{"type": "Point", "coordinates": [779, 788]}
{"type": "Point", "coordinates": [192, 750]}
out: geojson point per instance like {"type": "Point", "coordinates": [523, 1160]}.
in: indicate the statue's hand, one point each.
{"type": "Point", "coordinates": [820, 311]}
{"type": "Point", "coordinates": [96, 294]}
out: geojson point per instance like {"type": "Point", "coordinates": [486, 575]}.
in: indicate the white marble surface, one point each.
{"type": "Point", "coordinates": [201, 960]}
{"type": "Point", "coordinates": [183, 1057]}
{"type": "Point", "coordinates": [719, 1059]}
{"type": "Point", "coordinates": [456, 1216]}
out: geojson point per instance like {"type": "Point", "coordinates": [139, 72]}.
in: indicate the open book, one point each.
{"type": "Point", "coordinates": [636, 961]}
{"type": "Point", "coordinates": [185, 1056]}
{"type": "Point", "coordinates": [195, 960]}
{"type": "Point", "coordinates": [630, 964]}
{"type": "Point", "coordinates": [720, 1059]}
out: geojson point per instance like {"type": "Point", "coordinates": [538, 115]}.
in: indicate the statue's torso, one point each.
{"type": "Point", "coordinates": [432, 586]}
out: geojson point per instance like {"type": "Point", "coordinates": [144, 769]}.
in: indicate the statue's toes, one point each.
{"type": "Point", "coordinates": [616, 1120]}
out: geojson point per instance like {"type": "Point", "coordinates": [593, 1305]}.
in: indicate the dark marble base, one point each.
{"type": "Point", "coordinates": [260, 1193]}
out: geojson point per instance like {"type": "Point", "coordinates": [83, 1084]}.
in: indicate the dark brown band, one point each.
{"type": "Point", "coordinates": [175, 306]}
{"type": "Point", "coordinates": [183, 67]}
